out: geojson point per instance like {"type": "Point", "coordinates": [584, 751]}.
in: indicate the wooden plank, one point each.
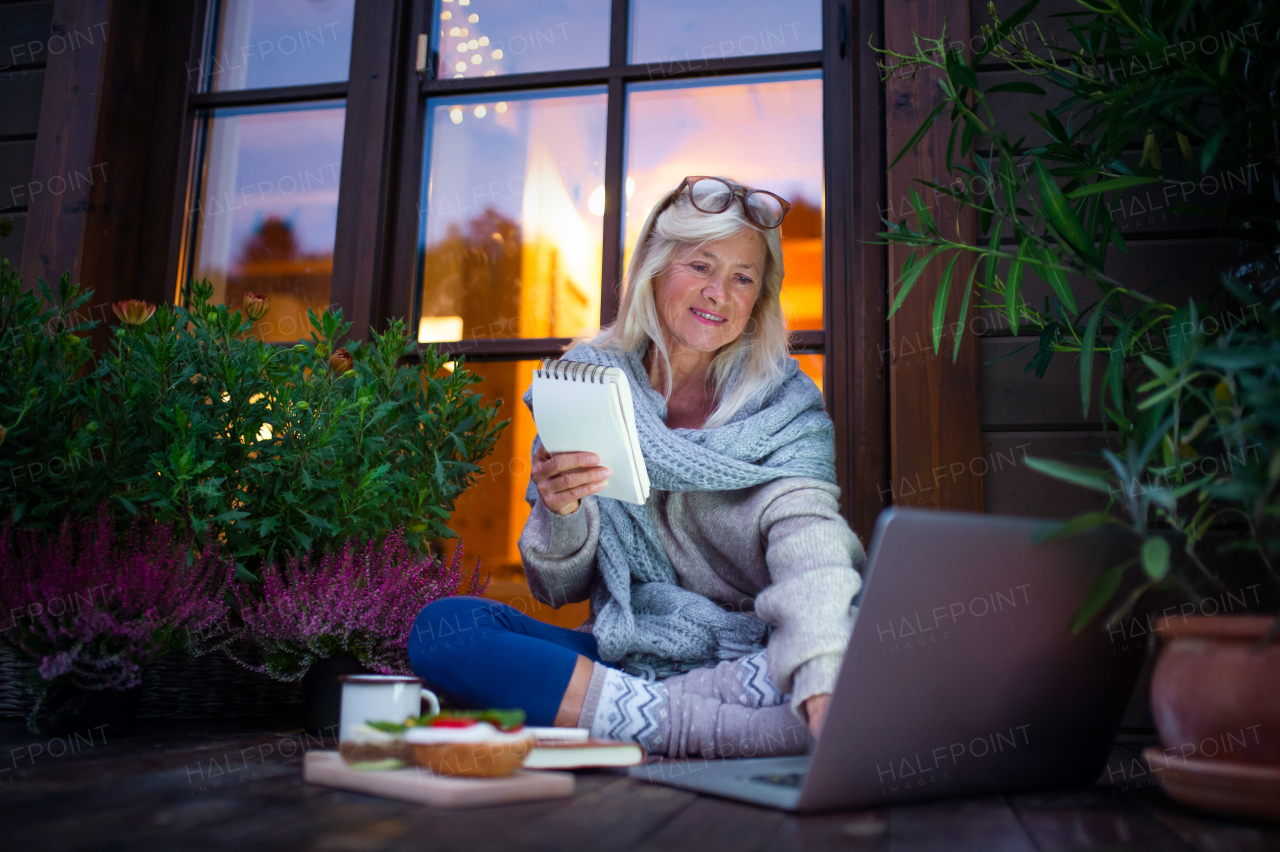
{"type": "Point", "coordinates": [981, 825]}
{"type": "Point", "coordinates": [22, 92]}
{"type": "Point", "coordinates": [865, 831]}
{"type": "Point", "coordinates": [934, 403]}
{"type": "Point", "coordinates": [24, 33]}
{"type": "Point", "coordinates": [360, 241]}
{"type": "Point", "coordinates": [65, 145]}
{"type": "Point", "coordinates": [16, 161]}
{"type": "Point", "coordinates": [1207, 835]}
{"type": "Point", "coordinates": [714, 824]}
{"type": "Point", "coordinates": [856, 380]}
{"type": "Point", "coordinates": [1016, 399]}
{"type": "Point", "coordinates": [1091, 819]}
{"type": "Point", "coordinates": [616, 816]}
{"type": "Point", "coordinates": [1010, 487]}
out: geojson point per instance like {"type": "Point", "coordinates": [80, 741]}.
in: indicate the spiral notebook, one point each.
{"type": "Point", "coordinates": [581, 407]}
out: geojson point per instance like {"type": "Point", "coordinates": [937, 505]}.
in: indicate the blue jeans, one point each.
{"type": "Point", "coordinates": [481, 654]}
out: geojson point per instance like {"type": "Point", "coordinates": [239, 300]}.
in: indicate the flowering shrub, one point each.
{"type": "Point", "coordinates": [361, 600]}
{"type": "Point", "coordinates": [92, 607]}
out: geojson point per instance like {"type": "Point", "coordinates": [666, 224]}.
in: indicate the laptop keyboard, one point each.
{"type": "Point", "coordinates": [789, 779]}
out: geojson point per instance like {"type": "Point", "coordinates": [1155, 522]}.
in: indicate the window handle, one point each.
{"type": "Point", "coordinates": [420, 62]}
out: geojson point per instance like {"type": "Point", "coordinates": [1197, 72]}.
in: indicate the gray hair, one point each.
{"type": "Point", "coordinates": [762, 346]}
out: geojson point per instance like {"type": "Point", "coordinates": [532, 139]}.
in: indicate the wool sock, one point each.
{"type": "Point", "coordinates": [742, 681]}
{"type": "Point", "coordinates": [667, 719]}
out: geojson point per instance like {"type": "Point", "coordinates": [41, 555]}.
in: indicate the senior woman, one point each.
{"type": "Point", "coordinates": [721, 608]}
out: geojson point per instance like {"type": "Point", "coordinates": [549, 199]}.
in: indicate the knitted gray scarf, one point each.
{"type": "Point", "coordinates": [643, 619]}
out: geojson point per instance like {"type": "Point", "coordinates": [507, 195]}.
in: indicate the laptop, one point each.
{"type": "Point", "coordinates": [961, 676]}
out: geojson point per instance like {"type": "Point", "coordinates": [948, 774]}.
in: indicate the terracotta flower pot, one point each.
{"type": "Point", "coordinates": [1213, 695]}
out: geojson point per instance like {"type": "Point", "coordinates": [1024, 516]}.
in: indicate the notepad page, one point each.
{"type": "Point", "coordinates": [581, 416]}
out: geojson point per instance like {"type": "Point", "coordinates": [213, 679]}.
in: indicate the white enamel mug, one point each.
{"type": "Point", "coordinates": [381, 698]}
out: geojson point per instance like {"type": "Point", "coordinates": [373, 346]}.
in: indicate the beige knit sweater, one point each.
{"type": "Point", "coordinates": [780, 549]}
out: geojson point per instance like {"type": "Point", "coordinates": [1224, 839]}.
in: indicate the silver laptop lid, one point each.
{"type": "Point", "coordinates": [961, 676]}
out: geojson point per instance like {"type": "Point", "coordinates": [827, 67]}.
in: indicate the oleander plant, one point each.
{"type": "Point", "coordinates": [1189, 393]}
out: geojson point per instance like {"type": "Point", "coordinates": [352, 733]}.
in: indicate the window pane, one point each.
{"type": "Point", "coordinates": [483, 38]}
{"type": "Point", "coordinates": [264, 43]}
{"type": "Point", "coordinates": [490, 515]}
{"type": "Point", "coordinates": [764, 131]}
{"type": "Point", "coordinates": [681, 32]}
{"type": "Point", "coordinates": [811, 366]}
{"type": "Point", "coordinates": [267, 208]}
{"type": "Point", "coordinates": [513, 194]}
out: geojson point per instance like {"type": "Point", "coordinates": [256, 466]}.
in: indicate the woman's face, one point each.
{"type": "Point", "coordinates": [706, 295]}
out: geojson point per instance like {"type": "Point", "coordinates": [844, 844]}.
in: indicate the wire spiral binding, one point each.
{"type": "Point", "coordinates": [558, 368]}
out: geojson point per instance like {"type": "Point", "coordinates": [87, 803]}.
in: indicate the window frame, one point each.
{"type": "Point", "coordinates": [375, 250]}
{"type": "Point", "coordinates": [359, 246]}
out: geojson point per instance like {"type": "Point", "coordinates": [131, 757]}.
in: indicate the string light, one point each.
{"type": "Point", "coordinates": [481, 111]}
{"type": "Point", "coordinates": [454, 31]}
{"type": "Point", "coordinates": [490, 73]}
{"type": "Point", "coordinates": [473, 18]}
{"type": "Point", "coordinates": [476, 59]}
{"type": "Point", "coordinates": [484, 41]}
{"type": "Point", "coordinates": [473, 44]}
{"type": "Point", "coordinates": [460, 67]}
{"type": "Point", "coordinates": [455, 115]}
{"type": "Point", "coordinates": [463, 47]}
{"type": "Point", "coordinates": [446, 15]}
{"type": "Point", "coordinates": [501, 105]}
{"type": "Point", "coordinates": [497, 54]}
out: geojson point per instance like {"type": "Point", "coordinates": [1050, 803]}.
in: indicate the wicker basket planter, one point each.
{"type": "Point", "coordinates": [175, 687]}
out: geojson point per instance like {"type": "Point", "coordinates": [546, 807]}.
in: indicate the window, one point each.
{"type": "Point", "coordinates": [548, 132]}
{"type": "Point", "coordinates": [268, 126]}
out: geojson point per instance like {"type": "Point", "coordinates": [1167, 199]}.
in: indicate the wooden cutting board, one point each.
{"type": "Point", "coordinates": [415, 784]}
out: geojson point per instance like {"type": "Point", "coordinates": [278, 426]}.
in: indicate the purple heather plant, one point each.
{"type": "Point", "coordinates": [92, 608]}
{"type": "Point", "coordinates": [361, 600]}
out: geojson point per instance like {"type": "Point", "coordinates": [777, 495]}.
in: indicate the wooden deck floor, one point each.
{"type": "Point", "coordinates": [237, 786]}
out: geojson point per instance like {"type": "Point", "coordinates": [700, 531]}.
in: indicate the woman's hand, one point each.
{"type": "Point", "coordinates": [815, 707]}
{"type": "Point", "coordinates": [563, 479]}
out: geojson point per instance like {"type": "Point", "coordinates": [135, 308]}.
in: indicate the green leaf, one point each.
{"type": "Point", "coordinates": [909, 277]}
{"type": "Point", "coordinates": [1155, 558]}
{"type": "Point", "coordinates": [1059, 214]}
{"type": "Point", "coordinates": [1019, 86]}
{"type": "Point", "coordinates": [919, 134]}
{"type": "Point", "coordinates": [1077, 525]}
{"type": "Point", "coordinates": [1014, 284]}
{"type": "Point", "coordinates": [1083, 476]}
{"type": "Point", "coordinates": [1054, 274]}
{"type": "Point", "coordinates": [1112, 185]}
{"type": "Point", "coordinates": [923, 216]}
{"type": "Point", "coordinates": [940, 302]}
{"type": "Point", "coordinates": [964, 313]}
{"type": "Point", "coordinates": [1103, 590]}
{"type": "Point", "coordinates": [1086, 356]}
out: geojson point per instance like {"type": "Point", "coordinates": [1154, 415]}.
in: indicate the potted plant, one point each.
{"type": "Point", "coordinates": [190, 419]}
{"type": "Point", "coordinates": [91, 608]}
{"type": "Point", "coordinates": [1189, 392]}
{"type": "Point", "coordinates": [342, 612]}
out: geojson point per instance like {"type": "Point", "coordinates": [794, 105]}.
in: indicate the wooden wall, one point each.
{"type": "Point", "coordinates": [24, 42]}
